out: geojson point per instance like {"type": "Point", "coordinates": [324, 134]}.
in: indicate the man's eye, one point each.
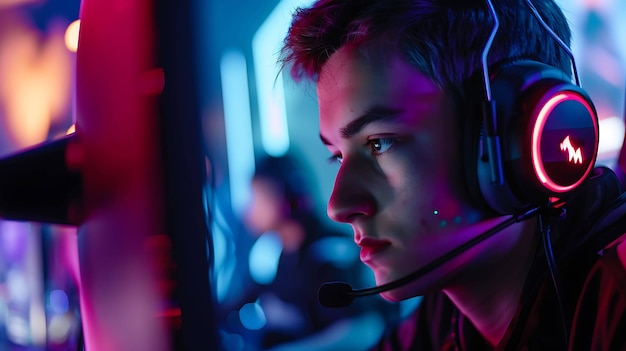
{"type": "Point", "coordinates": [380, 145]}
{"type": "Point", "coordinates": [335, 158]}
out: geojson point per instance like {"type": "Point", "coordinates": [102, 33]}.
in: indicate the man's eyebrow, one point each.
{"type": "Point", "coordinates": [374, 114]}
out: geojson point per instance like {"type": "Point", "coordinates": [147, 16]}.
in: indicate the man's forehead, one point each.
{"type": "Point", "coordinates": [350, 71]}
{"type": "Point", "coordinates": [375, 55]}
{"type": "Point", "coordinates": [336, 67]}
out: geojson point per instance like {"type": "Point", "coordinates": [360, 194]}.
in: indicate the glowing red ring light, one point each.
{"type": "Point", "coordinates": [542, 117]}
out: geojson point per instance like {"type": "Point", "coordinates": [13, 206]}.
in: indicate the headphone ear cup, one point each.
{"type": "Point", "coordinates": [548, 132]}
{"type": "Point", "coordinates": [497, 200]}
{"type": "Point", "coordinates": [472, 150]}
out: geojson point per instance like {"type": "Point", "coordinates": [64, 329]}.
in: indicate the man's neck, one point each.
{"type": "Point", "coordinates": [490, 297]}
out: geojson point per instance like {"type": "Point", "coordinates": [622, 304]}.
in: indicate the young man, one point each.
{"type": "Point", "coordinates": [397, 82]}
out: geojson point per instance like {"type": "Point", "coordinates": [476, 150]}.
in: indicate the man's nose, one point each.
{"type": "Point", "coordinates": [352, 196]}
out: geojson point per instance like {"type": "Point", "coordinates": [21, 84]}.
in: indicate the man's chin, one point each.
{"type": "Point", "coordinates": [416, 287]}
{"type": "Point", "coordinates": [397, 295]}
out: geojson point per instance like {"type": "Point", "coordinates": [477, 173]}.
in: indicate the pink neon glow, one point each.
{"type": "Point", "coordinates": [573, 154]}
{"type": "Point", "coordinates": [116, 79]}
{"type": "Point", "coordinates": [537, 160]}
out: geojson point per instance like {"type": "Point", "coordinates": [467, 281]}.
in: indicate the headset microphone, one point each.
{"type": "Point", "coordinates": [340, 294]}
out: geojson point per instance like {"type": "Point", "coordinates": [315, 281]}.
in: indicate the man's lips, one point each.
{"type": "Point", "coordinates": [371, 247]}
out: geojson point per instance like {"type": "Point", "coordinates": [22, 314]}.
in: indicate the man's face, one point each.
{"type": "Point", "coordinates": [400, 182]}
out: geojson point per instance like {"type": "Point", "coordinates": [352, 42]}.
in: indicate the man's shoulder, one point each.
{"type": "Point", "coordinates": [596, 214]}
{"type": "Point", "coordinates": [621, 251]}
{"type": "Point", "coordinates": [600, 317]}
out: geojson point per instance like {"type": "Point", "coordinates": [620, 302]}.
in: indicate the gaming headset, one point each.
{"type": "Point", "coordinates": [537, 137]}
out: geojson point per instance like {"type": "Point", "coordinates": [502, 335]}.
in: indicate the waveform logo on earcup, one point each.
{"type": "Point", "coordinates": [574, 154]}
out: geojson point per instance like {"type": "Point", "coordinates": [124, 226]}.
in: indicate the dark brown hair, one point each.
{"type": "Point", "coordinates": [443, 39]}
